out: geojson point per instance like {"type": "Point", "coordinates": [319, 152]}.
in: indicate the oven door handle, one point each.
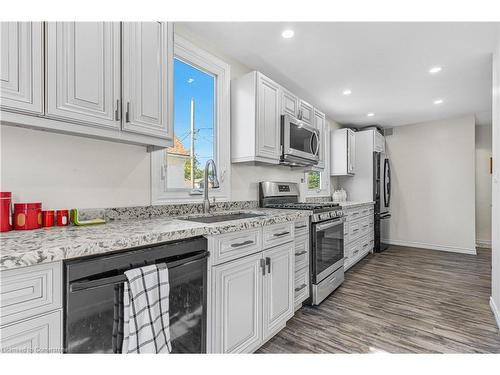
{"type": "Point", "coordinates": [77, 286]}
{"type": "Point", "coordinates": [330, 224]}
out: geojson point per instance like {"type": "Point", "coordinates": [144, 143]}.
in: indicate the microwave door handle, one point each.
{"type": "Point", "coordinates": [315, 135]}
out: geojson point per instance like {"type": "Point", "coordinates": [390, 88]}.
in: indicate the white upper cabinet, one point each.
{"type": "Point", "coordinates": [21, 67]}
{"type": "Point", "coordinates": [306, 112]}
{"type": "Point", "coordinates": [83, 72]}
{"type": "Point", "coordinates": [256, 118]}
{"type": "Point", "coordinates": [268, 118]}
{"type": "Point", "coordinates": [378, 142]}
{"type": "Point", "coordinates": [320, 125]}
{"type": "Point", "coordinates": [342, 152]}
{"type": "Point", "coordinates": [289, 103]}
{"type": "Point", "coordinates": [278, 289]}
{"type": "Point", "coordinates": [147, 78]}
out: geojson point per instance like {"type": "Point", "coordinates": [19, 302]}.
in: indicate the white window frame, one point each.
{"type": "Point", "coordinates": [324, 190]}
{"type": "Point", "coordinates": [199, 58]}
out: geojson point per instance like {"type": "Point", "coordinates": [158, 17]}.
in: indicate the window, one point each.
{"type": "Point", "coordinates": [313, 180]}
{"type": "Point", "coordinates": [201, 128]}
{"type": "Point", "coordinates": [194, 118]}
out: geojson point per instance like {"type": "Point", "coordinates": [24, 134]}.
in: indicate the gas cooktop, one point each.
{"type": "Point", "coordinates": [304, 206]}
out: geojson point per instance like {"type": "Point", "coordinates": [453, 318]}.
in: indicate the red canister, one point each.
{"type": "Point", "coordinates": [27, 216]}
{"type": "Point", "coordinates": [48, 218]}
{"type": "Point", "coordinates": [5, 211]}
{"type": "Point", "coordinates": [62, 218]}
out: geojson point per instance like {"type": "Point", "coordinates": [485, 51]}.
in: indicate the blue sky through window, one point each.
{"type": "Point", "coordinates": [190, 82]}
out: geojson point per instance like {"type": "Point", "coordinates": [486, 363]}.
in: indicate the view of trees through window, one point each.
{"type": "Point", "coordinates": [194, 119]}
{"type": "Point", "coordinates": [314, 180]}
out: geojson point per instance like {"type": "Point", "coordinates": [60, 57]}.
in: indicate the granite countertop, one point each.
{"type": "Point", "coordinates": [352, 204]}
{"type": "Point", "coordinates": [25, 248]}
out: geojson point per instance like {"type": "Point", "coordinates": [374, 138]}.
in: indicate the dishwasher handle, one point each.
{"type": "Point", "coordinates": [78, 286]}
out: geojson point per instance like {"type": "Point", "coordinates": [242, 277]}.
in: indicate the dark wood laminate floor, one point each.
{"type": "Point", "coordinates": [404, 300]}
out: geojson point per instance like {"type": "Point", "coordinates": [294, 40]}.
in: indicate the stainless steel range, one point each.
{"type": "Point", "coordinates": [326, 263]}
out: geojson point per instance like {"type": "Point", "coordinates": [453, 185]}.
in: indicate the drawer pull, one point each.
{"type": "Point", "coordinates": [300, 287]}
{"type": "Point", "coordinates": [281, 234]}
{"type": "Point", "coordinates": [365, 245]}
{"type": "Point", "coordinates": [301, 253]}
{"type": "Point", "coordinates": [355, 230]}
{"type": "Point", "coordinates": [355, 252]}
{"type": "Point", "coordinates": [302, 226]}
{"type": "Point", "coordinates": [247, 242]}
{"type": "Point", "coordinates": [364, 226]}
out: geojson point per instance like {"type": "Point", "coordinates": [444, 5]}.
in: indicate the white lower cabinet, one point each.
{"type": "Point", "coordinates": [358, 234]}
{"type": "Point", "coordinates": [278, 288]}
{"type": "Point", "coordinates": [42, 334]}
{"type": "Point", "coordinates": [251, 298]}
{"type": "Point", "coordinates": [237, 291]}
{"type": "Point", "coordinates": [31, 309]}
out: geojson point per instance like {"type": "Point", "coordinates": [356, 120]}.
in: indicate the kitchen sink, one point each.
{"type": "Point", "coordinates": [223, 217]}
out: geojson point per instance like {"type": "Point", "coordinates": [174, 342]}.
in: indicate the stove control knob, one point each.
{"type": "Point", "coordinates": [333, 214]}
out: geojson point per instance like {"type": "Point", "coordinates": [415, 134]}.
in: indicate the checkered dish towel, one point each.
{"type": "Point", "coordinates": [145, 311]}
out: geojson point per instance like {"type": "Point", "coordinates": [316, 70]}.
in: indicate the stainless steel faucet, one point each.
{"type": "Point", "coordinates": [215, 184]}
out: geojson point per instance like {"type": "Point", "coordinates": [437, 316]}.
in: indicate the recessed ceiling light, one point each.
{"type": "Point", "coordinates": [371, 114]}
{"type": "Point", "coordinates": [287, 34]}
{"type": "Point", "coordinates": [438, 101]}
{"type": "Point", "coordinates": [347, 92]}
{"type": "Point", "coordinates": [435, 69]}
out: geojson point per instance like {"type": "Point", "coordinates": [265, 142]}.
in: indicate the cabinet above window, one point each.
{"type": "Point", "coordinates": [100, 80]}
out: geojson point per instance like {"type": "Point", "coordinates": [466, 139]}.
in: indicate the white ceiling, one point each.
{"type": "Point", "coordinates": [384, 64]}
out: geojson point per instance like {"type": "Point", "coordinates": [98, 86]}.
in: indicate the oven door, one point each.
{"type": "Point", "coordinates": [327, 248]}
{"type": "Point", "coordinates": [300, 142]}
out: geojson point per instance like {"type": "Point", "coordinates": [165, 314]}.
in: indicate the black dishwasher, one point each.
{"type": "Point", "coordinates": [93, 284]}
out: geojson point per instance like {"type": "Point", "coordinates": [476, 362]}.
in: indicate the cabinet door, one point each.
{"type": "Point", "coordinates": [320, 124]}
{"type": "Point", "coordinates": [289, 103]}
{"type": "Point", "coordinates": [306, 112]}
{"type": "Point", "coordinates": [21, 67]}
{"type": "Point", "coordinates": [42, 334]}
{"type": "Point", "coordinates": [83, 72]}
{"type": "Point", "coordinates": [278, 297]}
{"type": "Point", "coordinates": [351, 151]}
{"type": "Point", "coordinates": [147, 78]}
{"type": "Point", "coordinates": [237, 305]}
{"type": "Point", "coordinates": [268, 118]}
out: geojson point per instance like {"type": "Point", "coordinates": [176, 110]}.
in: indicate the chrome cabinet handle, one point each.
{"type": "Point", "coordinates": [248, 242]}
{"type": "Point", "coordinates": [127, 113]}
{"type": "Point", "coordinates": [263, 266]}
{"type": "Point", "coordinates": [365, 245]}
{"type": "Point", "coordinates": [268, 263]}
{"type": "Point", "coordinates": [355, 251]}
{"type": "Point", "coordinates": [302, 226]}
{"type": "Point", "coordinates": [118, 111]}
{"type": "Point", "coordinates": [300, 287]}
{"type": "Point", "coordinates": [281, 234]}
{"type": "Point", "coordinates": [355, 230]}
{"type": "Point", "coordinates": [301, 253]}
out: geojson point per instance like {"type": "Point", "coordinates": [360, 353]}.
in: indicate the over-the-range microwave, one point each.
{"type": "Point", "coordinates": [299, 142]}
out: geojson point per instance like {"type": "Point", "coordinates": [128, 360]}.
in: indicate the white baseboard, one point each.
{"type": "Point", "coordinates": [495, 310]}
{"type": "Point", "coordinates": [422, 245]}
{"type": "Point", "coordinates": [483, 243]}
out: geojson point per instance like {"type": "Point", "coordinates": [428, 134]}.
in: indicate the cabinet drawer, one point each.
{"type": "Point", "coordinates": [301, 285]}
{"type": "Point", "coordinates": [364, 225]}
{"type": "Point", "coordinates": [353, 214]}
{"type": "Point", "coordinates": [352, 251]}
{"type": "Point", "coordinates": [277, 234]}
{"type": "Point", "coordinates": [229, 246]}
{"type": "Point", "coordinates": [42, 334]}
{"type": "Point", "coordinates": [365, 211]}
{"type": "Point", "coordinates": [301, 252]}
{"type": "Point", "coordinates": [354, 230]}
{"type": "Point", "coordinates": [364, 247]}
{"type": "Point", "coordinates": [29, 291]}
{"type": "Point", "coordinates": [302, 227]}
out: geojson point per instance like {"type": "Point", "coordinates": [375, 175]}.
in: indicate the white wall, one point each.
{"type": "Point", "coordinates": [483, 185]}
{"type": "Point", "coordinates": [433, 193]}
{"type": "Point", "coordinates": [68, 171]}
{"type": "Point", "coordinates": [495, 278]}
{"type": "Point", "coordinates": [65, 171]}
